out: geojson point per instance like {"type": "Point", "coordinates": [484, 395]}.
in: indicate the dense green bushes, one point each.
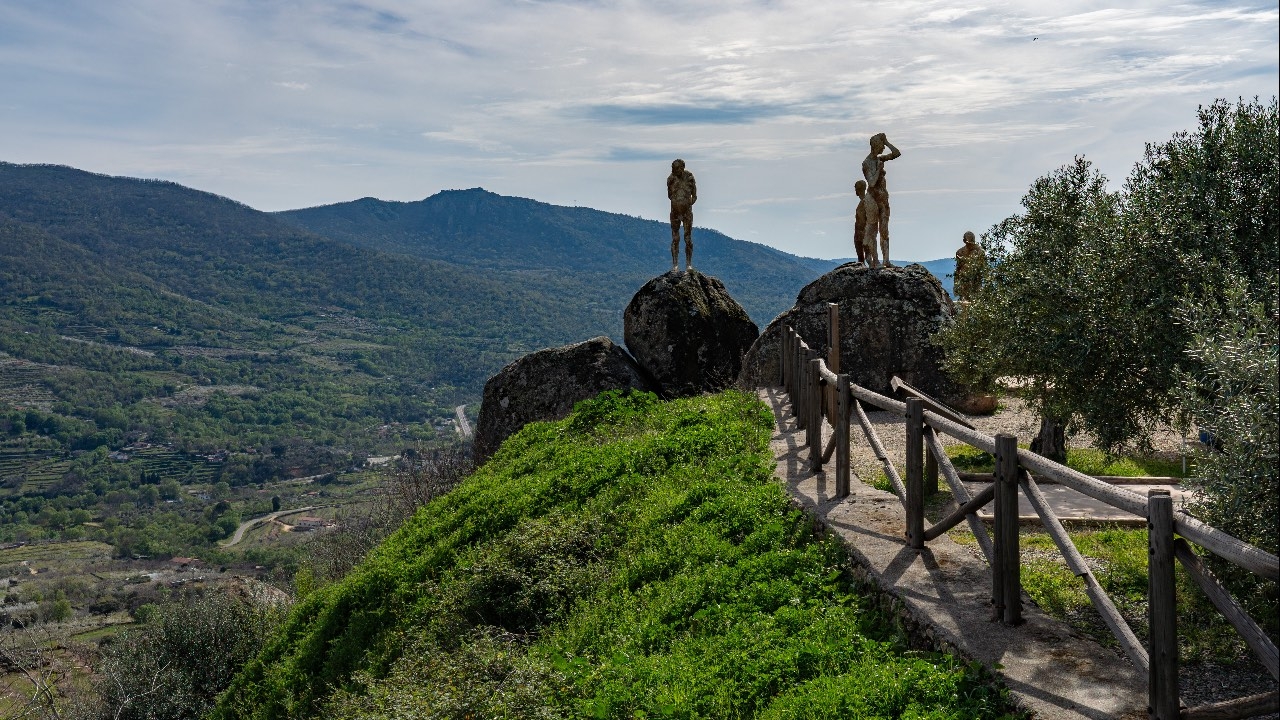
{"type": "Point", "coordinates": [1085, 288]}
{"type": "Point", "coordinates": [634, 560]}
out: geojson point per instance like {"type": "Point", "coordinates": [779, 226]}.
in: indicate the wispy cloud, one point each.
{"type": "Point", "coordinates": [291, 104]}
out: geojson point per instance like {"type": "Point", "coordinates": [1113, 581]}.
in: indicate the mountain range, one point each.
{"type": "Point", "coordinates": [121, 293]}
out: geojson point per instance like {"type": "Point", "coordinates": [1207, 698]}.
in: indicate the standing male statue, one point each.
{"type": "Point", "coordinates": [877, 198]}
{"type": "Point", "coordinates": [683, 193]}
{"type": "Point", "coordinates": [860, 220]}
{"type": "Point", "coordinates": [970, 261]}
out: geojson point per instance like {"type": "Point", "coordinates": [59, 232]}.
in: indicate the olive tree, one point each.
{"type": "Point", "coordinates": [1234, 395]}
{"type": "Point", "coordinates": [1034, 318]}
{"type": "Point", "coordinates": [1081, 301]}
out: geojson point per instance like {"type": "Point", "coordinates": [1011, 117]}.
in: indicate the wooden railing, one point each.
{"type": "Point", "coordinates": [820, 393]}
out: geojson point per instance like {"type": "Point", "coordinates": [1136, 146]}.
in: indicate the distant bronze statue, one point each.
{"type": "Point", "coordinates": [683, 193]}
{"type": "Point", "coordinates": [876, 201]}
{"type": "Point", "coordinates": [860, 220]}
{"type": "Point", "coordinates": [970, 261]}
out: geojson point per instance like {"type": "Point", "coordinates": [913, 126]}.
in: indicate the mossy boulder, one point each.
{"type": "Point", "coordinates": [688, 333]}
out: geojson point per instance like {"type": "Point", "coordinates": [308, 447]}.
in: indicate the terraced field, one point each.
{"type": "Point", "coordinates": [170, 464]}
{"type": "Point", "coordinates": [22, 384]}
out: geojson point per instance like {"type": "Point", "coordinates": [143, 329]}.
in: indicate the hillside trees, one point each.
{"type": "Point", "coordinates": [176, 663]}
{"type": "Point", "coordinates": [1086, 287]}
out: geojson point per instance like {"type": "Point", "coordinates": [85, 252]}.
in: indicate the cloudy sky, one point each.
{"type": "Point", "coordinates": [289, 103]}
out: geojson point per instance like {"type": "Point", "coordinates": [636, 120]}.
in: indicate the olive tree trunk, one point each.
{"type": "Point", "coordinates": [1051, 442]}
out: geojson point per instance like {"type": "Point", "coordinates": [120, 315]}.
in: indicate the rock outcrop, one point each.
{"type": "Point", "coordinates": [888, 317]}
{"type": "Point", "coordinates": [545, 385]}
{"type": "Point", "coordinates": [688, 333]}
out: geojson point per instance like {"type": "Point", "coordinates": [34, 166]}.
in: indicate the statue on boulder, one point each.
{"type": "Point", "coordinates": [970, 262]}
{"type": "Point", "coordinates": [876, 201]}
{"type": "Point", "coordinates": [682, 191]}
{"type": "Point", "coordinates": [860, 220]}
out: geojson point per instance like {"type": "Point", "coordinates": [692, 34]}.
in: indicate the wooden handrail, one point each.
{"type": "Point", "coordinates": [1108, 479]}
{"type": "Point", "coordinates": [959, 492]}
{"type": "Point", "coordinates": [898, 383]}
{"type": "Point", "coordinates": [1253, 635]}
{"type": "Point", "coordinates": [1101, 601]}
{"type": "Point", "coordinates": [810, 386]}
{"type": "Point", "coordinates": [1232, 549]}
{"type": "Point", "coordinates": [1253, 559]}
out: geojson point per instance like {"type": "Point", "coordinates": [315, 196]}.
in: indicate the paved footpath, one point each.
{"type": "Point", "coordinates": [1049, 669]}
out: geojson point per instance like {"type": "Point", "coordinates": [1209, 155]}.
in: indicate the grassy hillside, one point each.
{"type": "Point", "coordinates": [636, 559]}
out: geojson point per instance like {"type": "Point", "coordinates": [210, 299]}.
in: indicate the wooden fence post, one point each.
{"type": "Point", "coordinates": [915, 473]}
{"type": "Point", "coordinates": [1006, 572]}
{"type": "Point", "coordinates": [930, 474]}
{"type": "Point", "coordinates": [814, 433]}
{"type": "Point", "coordinates": [844, 403]}
{"type": "Point", "coordinates": [798, 403]}
{"type": "Point", "coordinates": [784, 339]}
{"type": "Point", "coordinates": [833, 357]}
{"type": "Point", "coordinates": [1161, 608]}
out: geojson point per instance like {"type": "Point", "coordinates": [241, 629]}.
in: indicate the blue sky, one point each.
{"type": "Point", "coordinates": [283, 103]}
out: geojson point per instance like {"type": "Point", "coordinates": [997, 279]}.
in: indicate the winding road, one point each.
{"type": "Point", "coordinates": [238, 535]}
{"type": "Point", "coordinates": [464, 427]}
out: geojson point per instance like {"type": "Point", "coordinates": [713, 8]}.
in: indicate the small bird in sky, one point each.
{"type": "Point", "coordinates": [1034, 39]}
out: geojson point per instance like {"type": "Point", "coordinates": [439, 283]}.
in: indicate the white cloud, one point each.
{"type": "Point", "coordinates": [291, 104]}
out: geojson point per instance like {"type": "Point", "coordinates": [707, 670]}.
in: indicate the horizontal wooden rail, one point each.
{"type": "Point", "coordinates": [1108, 479]}
{"type": "Point", "coordinates": [1253, 635]}
{"type": "Point", "coordinates": [1253, 559]}
{"type": "Point", "coordinates": [1245, 707]}
{"type": "Point", "coordinates": [898, 383]}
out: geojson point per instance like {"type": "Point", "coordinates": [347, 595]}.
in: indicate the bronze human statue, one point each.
{"type": "Point", "coordinates": [876, 201]}
{"type": "Point", "coordinates": [970, 261]}
{"type": "Point", "coordinates": [683, 193]}
{"type": "Point", "coordinates": [860, 220]}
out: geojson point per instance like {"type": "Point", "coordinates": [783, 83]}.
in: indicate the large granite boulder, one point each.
{"type": "Point", "coordinates": [888, 317]}
{"type": "Point", "coordinates": [545, 385]}
{"type": "Point", "coordinates": [688, 333]}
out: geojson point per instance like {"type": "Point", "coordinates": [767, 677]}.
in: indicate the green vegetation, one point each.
{"type": "Point", "coordinates": [211, 343]}
{"type": "Point", "coordinates": [634, 560]}
{"type": "Point", "coordinates": [1060, 306]}
{"type": "Point", "coordinates": [1193, 342]}
{"type": "Point", "coordinates": [1089, 461]}
{"type": "Point", "coordinates": [1119, 561]}
{"type": "Point", "coordinates": [173, 665]}
{"type": "Point", "coordinates": [1235, 398]}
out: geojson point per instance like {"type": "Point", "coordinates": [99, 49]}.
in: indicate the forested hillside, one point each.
{"type": "Point", "coordinates": [591, 251]}
{"type": "Point", "coordinates": [205, 342]}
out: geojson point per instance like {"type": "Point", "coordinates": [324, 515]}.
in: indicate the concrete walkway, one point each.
{"type": "Point", "coordinates": [945, 592]}
{"type": "Point", "coordinates": [1072, 506]}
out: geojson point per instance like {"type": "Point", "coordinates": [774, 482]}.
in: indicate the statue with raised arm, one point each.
{"type": "Point", "coordinates": [877, 198]}
{"type": "Point", "coordinates": [970, 261]}
{"type": "Point", "coordinates": [683, 193]}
